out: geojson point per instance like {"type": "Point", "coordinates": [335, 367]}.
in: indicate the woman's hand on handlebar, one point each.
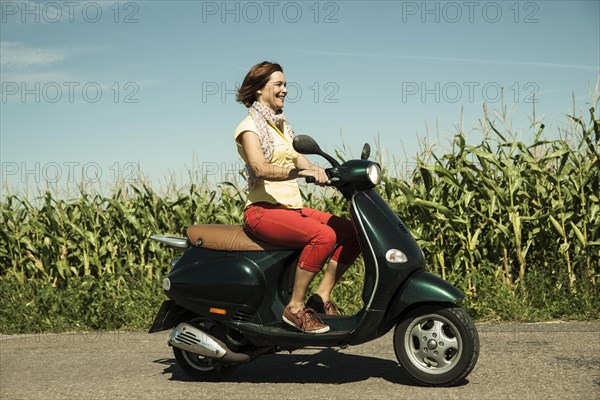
{"type": "Point", "coordinates": [318, 173]}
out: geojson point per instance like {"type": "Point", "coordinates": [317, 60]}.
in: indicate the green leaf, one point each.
{"type": "Point", "coordinates": [579, 234]}
{"type": "Point", "coordinates": [430, 204]}
{"type": "Point", "coordinates": [557, 226]}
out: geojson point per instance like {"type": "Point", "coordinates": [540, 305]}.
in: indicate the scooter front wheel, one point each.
{"type": "Point", "coordinates": [437, 345]}
{"type": "Point", "coordinates": [202, 368]}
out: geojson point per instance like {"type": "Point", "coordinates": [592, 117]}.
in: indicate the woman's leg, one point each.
{"type": "Point", "coordinates": [302, 280]}
{"type": "Point", "coordinates": [295, 229]}
{"type": "Point", "coordinates": [331, 276]}
{"type": "Point", "coordinates": [344, 255]}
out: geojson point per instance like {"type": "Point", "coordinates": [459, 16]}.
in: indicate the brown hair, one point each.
{"type": "Point", "coordinates": [256, 79]}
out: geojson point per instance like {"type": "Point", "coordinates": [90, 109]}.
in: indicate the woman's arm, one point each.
{"type": "Point", "coordinates": [264, 169]}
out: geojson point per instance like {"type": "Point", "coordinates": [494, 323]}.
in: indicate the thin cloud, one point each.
{"type": "Point", "coordinates": [15, 55]}
{"type": "Point", "coordinates": [19, 55]}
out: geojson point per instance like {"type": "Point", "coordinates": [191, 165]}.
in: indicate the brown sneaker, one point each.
{"type": "Point", "coordinates": [304, 320]}
{"type": "Point", "coordinates": [328, 308]}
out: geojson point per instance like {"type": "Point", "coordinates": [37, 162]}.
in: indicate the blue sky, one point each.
{"type": "Point", "coordinates": [100, 90]}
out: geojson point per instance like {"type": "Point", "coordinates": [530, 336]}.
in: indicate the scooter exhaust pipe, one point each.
{"type": "Point", "coordinates": [189, 338]}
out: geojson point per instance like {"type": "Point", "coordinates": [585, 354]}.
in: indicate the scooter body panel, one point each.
{"type": "Point", "coordinates": [382, 230]}
{"type": "Point", "coordinates": [226, 285]}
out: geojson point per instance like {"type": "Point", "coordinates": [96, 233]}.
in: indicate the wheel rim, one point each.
{"type": "Point", "coordinates": [433, 344]}
{"type": "Point", "coordinates": [198, 362]}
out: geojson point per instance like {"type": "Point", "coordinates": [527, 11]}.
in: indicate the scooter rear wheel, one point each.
{"type": "Point", "coordinates": [437, 345]}
{"type": "Point", "coordinates": [202, 368]}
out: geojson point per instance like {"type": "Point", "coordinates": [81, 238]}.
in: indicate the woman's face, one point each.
{"type": "Point", "coordinates": [273, 93]}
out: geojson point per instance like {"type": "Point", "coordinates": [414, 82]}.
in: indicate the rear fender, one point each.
{"type": "Point", "coordinates": [170, 315]}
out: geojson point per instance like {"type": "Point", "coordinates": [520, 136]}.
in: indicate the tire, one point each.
{"type": "Point", "coordinates": [437, 345]}
{"type": "Point", "coordinates": [202, 368]}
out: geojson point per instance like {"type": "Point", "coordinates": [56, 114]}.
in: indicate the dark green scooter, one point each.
{"type": "Point", "coordinates": [228, 290]}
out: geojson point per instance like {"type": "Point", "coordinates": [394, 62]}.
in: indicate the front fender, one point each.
{"type": "Point", "coordinates": [421, 287]}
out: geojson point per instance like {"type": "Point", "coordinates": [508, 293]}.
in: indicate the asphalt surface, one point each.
{"type": "Point", "coordinates": [557, 360]}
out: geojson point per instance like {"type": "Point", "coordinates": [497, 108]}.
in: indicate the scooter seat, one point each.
{"type": "Point", "coordinates": [227, 238]}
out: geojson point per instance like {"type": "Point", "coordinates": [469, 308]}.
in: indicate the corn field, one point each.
{"type": "Point", "coordinates": [513, 223]}
{"type": "Point", "coordinates": [511, 209]}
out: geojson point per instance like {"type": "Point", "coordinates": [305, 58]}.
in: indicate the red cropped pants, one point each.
{"type": "Point", "coordinates": [318, 233]}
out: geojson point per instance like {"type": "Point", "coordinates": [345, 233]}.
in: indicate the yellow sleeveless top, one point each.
{"type": "Point", "coordinates": [285, 193]}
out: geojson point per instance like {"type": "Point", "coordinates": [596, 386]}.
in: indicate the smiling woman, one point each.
{"type": "Point", "coordinates": [265, 74]}
{"type": "Point", "coordinates": [274, 211]}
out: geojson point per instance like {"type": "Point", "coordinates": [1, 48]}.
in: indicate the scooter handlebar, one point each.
{"type": "Point", "coordinates": [311, 179]}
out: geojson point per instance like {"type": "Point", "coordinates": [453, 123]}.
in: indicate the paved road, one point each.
{"type": "Point", "coordinates": [518, 361]}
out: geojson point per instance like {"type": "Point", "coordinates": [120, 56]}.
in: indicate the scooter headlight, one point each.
{"type": "Point", "coordinates": [374, 172]}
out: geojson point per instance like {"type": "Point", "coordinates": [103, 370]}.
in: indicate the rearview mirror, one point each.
{"type": "Point", "coordinates": [305, 144]}
{"type": "Point", "coordinates": [366, 152]}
